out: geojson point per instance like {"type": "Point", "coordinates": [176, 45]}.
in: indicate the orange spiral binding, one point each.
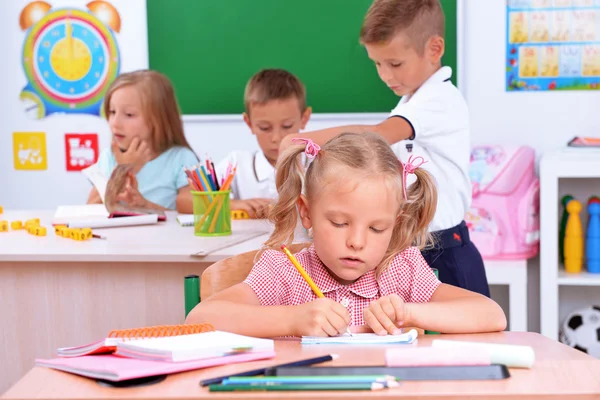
{"type": "Point", "coordinates": [160, 331]}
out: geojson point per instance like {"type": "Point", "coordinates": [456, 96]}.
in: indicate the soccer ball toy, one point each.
{"type": "Point", "coordinates": [581, 330]}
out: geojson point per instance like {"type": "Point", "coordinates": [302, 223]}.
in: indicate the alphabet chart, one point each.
{"type": "Point", "coordinates": [553, 45]}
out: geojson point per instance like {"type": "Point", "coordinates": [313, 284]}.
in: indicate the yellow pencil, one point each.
{"type": "Point", "coordinates": [305, 275]}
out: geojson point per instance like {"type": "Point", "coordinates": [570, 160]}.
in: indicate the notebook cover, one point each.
{"type": "Point", "coordinates": [114, 368]}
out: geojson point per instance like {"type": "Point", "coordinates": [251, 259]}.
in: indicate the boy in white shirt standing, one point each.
{"type": "Point", "coordinates": [275, 103]}
{"type": "Point", "coordinates": [405, 40]}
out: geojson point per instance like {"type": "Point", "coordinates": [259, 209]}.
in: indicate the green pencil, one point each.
{"type": "Point", "coordinates": [296, 387]}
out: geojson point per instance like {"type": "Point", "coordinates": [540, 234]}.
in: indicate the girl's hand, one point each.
{"type": "Point", "coordinates": [386, 315]}
{"type": "Point", "coordinates": [131, 195]}
{"type": "Point", "coordinates": [137, 154]}
{"type": "Point", "coordinates": [320, 317]}
{"type": "Point", "coordinates": [256, 208]}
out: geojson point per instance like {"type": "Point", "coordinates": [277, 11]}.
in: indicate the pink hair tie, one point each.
{"type": "Point", "coordinates": [312, 149]}
{"type": "Point", "coordinates": [409, 168]}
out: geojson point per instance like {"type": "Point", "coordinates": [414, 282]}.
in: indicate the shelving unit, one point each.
{"type": "Point", "coordinates": [568, 163]}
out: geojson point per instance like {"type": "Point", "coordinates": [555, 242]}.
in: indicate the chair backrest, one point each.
{"type": "Point", "coordinates": [231, 271]}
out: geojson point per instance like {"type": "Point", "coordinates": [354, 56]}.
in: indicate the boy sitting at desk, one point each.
{"type": "Point", "coordinates": [275, 106]}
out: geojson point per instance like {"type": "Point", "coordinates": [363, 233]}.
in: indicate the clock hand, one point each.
{"type": "Point", "coordinates": [69, 34]}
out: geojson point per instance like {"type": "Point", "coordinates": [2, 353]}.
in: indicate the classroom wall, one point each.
{"type": "Point", "coordinates": [543, 120]}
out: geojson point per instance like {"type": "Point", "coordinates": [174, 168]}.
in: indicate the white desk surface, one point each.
{"type": "Point", "coordinates": [163, 242]}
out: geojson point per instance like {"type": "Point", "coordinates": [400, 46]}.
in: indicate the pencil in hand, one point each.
{"type": "Point", "coordinates": [306, 277]}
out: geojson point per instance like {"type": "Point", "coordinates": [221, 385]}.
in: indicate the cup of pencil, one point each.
{"type": "Point", "coordinates": [211, 200]}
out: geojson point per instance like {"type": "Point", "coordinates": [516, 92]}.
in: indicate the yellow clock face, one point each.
{"type": "Point", "coordinates": [70, 58]}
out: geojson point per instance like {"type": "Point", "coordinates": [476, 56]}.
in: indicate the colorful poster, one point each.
{"type": "Point", "coordinates": [29, 151]}
{"type": "Point", "coordinates": [70, 57]}
{"type": "Point", "coordinates": [553, 45]}
{"type": "Point", "coordinates": [81, 150]}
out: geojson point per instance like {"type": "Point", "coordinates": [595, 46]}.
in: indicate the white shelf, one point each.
{"type": "Point", "coordinates": [581, 279]}
{"type": "Point", "coordinates": [554, 165]}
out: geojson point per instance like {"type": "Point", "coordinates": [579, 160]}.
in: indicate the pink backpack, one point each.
{"type": "Point", "coordinates": [503, 220]}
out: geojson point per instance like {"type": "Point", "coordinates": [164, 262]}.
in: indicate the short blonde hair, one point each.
{"type": "Point", "coordinates": [366, 156]}
{"type": "Point", "coordinates": [274, 84]}
{"type": "Point", "coordinates": [418, 19]}
{"type": "Point", "coordinates": [159, 107]}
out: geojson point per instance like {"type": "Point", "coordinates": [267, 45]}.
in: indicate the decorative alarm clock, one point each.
{"type": "Point", "coordinates": [70, 57]}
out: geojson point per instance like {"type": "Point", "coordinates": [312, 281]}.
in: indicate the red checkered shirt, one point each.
{"type": "Point", "coordinates": [276, 281]}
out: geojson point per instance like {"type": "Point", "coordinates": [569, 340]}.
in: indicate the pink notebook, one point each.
{"type": "Point", "coordinates": [115, 368]}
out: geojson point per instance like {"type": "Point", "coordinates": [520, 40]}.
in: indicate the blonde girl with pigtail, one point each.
{"type": "Point", "coordinates": [368, 230]}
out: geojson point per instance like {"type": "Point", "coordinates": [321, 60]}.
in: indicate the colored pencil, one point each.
{"type": "Point", "coordinates": [297, 387]}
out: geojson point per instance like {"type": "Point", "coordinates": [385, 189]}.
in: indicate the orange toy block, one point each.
{"type": "Point", "coordinates": [3, 226]}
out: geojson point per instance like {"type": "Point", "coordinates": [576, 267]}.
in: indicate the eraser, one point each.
{"type": "Point", "coordinates": [511, 355]}
{"type": "Point", "coordinates": [433, 357]}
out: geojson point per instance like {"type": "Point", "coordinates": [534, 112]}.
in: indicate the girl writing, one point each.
{"type": "Point", "coordinates": [368, 229]}
{"type": "Point", "coordinates": [147, 133]}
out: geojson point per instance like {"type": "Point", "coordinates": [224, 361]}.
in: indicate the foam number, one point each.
{"type": "Point", "coordinates": [86, 233]}
{"type": "Point", "coordinates": [16, 225]}
{"type": "Point", "coordinates": [39, 231]}
{"type": "Point", "coordinates": [573, 238]}
{"type": "Point", "coordinates": [3, 226]}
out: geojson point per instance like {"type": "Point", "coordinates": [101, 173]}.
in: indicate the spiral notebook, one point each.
{"type": "Point", "coordinates": [109, 344]}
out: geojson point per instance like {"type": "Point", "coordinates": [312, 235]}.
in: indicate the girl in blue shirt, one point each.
{"type": "Point", "coordinates": [147, 132]}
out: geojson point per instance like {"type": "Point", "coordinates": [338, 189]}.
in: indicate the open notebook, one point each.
{"type": "Point", "coordinates": [363, 338]}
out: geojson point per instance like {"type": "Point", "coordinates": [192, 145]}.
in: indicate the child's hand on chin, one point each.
{"type": "Point", "coordinates": [320, 317]}
{"type": "Point", "coordinates": [137, 154]}
{"type": "Point", "coordinates": [386, 315]}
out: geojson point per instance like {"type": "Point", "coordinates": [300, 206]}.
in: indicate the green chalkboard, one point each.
{"type": "Point", "coordinates": [209, 49]}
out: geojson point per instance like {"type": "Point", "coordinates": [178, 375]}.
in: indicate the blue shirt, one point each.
{"type": "Point", "coordinates": [160, 179]}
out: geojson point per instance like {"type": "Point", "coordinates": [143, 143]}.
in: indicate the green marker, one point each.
{"type": "Point", "coordinates": [435, 271]}
{"type": "Point", "coordinates": [191, 292]}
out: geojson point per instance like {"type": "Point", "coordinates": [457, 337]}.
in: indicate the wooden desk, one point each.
{"type": "Point", "coordinates": [57, 292]}
{"type": "Point", "coordinates": [559, 372]}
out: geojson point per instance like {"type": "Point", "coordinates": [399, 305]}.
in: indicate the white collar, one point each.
{"type": "Point", "coordinates": [263, 169]}
{"type": "Point", "coordinates": [441, 75]}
